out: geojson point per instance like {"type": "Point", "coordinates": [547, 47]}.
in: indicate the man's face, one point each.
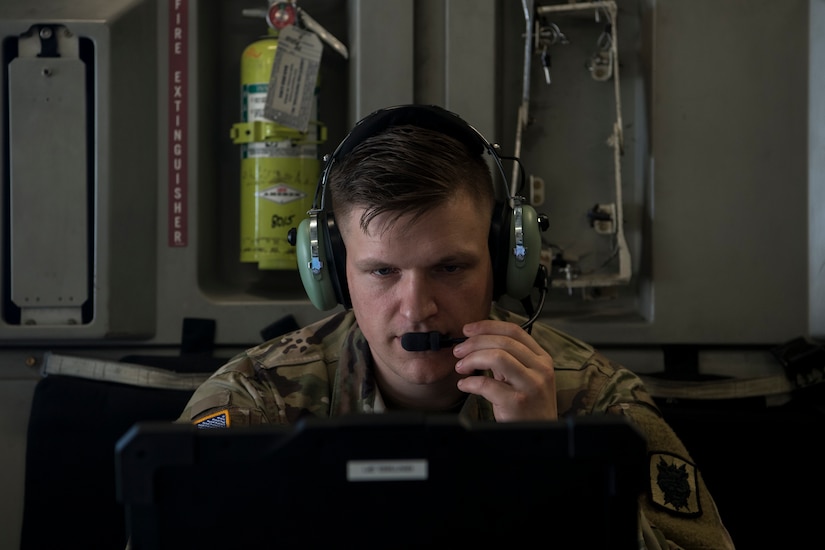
{"type": "Point", "coordinates": [432, 275]}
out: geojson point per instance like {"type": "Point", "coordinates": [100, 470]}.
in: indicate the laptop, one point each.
{"type": "Point", "coordinates": [382, 481]}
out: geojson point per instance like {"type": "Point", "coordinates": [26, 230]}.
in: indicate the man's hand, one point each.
{"type": "Point", "coordinates": [523, 383]}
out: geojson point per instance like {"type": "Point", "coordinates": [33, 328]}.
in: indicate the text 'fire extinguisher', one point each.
{"type": "Point", "coordinates": [279, 132]}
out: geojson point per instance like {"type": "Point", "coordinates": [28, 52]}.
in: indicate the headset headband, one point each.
{"type": "Point", "coordinates": [430, 117]}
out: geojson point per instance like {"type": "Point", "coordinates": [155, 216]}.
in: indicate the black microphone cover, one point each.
{"type": "Point", "coordinates": [427, 341]}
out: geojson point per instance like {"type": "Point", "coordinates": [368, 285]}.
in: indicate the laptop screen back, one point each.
{"type": "Point", "coordinates": [391, 480]}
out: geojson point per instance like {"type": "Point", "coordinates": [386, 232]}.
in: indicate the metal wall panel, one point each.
{"type": "Point", "coordinates": [715, 172]}
{"type": "Point", "coordinates": [99, 166]}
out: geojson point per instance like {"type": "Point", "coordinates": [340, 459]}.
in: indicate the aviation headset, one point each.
{"type": "Point", "coordinates": [514, 239]}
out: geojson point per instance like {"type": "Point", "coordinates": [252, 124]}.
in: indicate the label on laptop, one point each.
{"type": "Point", "coordinates": [387, 470]}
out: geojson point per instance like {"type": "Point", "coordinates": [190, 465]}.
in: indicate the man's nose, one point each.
{"type": "Point", "coordinates": [417, 300]}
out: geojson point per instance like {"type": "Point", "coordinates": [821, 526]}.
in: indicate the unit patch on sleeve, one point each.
{"type": "Point", "coordinates": [673, 484]}
{"type": "Point", "coordinates": [219, 419]}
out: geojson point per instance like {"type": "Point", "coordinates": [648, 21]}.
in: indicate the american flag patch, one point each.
{"type": "Point", "coordinates": [219, 419]}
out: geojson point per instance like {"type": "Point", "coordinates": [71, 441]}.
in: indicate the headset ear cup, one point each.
{"type": "Point", "coordinates": [319, 287]}
{"type": "Point", "coordinates": [521, 274]}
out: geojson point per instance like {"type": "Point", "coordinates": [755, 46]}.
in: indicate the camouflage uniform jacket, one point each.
{"type": "Point", "coordinates": [325, 370]}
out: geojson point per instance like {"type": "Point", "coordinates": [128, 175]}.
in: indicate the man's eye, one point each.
{"type": "Point", "coordinates": [450, 268]}
{"type": "Point", "coordinates": [383, 271]}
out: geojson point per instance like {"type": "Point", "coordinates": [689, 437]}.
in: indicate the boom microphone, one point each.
{"type": "Point", "coordinates": [428, 341]}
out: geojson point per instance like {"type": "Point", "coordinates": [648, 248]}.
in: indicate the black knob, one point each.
{"type": "Point", "coordinates": [292, 236]}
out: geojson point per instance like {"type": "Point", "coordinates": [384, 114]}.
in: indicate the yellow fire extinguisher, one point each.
{"type": "Point", "coordinates": [279, 165]}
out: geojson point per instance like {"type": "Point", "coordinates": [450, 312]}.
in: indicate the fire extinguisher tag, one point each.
{"type": "Point", "coordinates": [290, 98]}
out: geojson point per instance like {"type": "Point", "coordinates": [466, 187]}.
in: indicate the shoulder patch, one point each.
{"type": "Point", "coordinates": [218, 419]}
{"type": "Point", "coordinates": [673, 484]}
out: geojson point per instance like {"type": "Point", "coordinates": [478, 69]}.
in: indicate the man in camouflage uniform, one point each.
{"type": "Point", "coordinates": [410, 203]}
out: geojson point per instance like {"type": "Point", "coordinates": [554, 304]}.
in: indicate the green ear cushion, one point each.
{"type": "Point", "coordinates": [319, 287]}
{"type": "Point", "coordinates": [521, 276]}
